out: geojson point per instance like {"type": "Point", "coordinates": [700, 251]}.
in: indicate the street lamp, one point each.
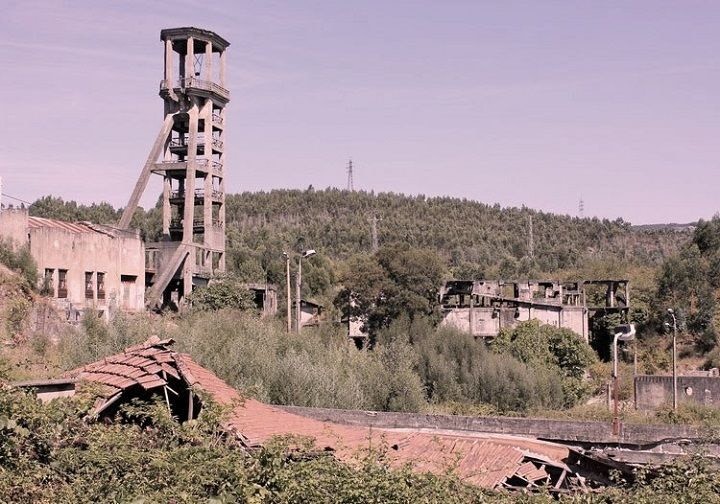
{"type": "Point", "coordinates": [671, 312]}
{"type": "Point", "coordinates": [298, 284]}
{"type": "Point", "coordinates": [625, 332]}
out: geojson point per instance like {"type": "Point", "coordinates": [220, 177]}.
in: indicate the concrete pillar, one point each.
{"type": "Point", "coordinates": [166, 207]}
{"type": "Point", "coordinates": [189, 214]}
{"type": "Point", "coordinates": [208, 62]}
{"type": "Point", "coordinates": [188, 268]}
{"type": "Point", "coordinates": [190, 58]}
{"type": "Point", "coordinates": [222, 69]}
{"type": "Point", "coordinates": [208, 186]}
{"type": "Point", "coordinates": [169, 63]}
{"type": "Point", "coordinates": [471, 315]}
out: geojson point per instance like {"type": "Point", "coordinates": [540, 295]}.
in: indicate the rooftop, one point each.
{"type": "Point", "coordinates": [486, 460]}
{"type": "Point", "coordinates": [79, 227]}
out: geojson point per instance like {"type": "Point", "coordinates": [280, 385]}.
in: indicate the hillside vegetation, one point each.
{"type": "Point", "coordinates": [474, 239]}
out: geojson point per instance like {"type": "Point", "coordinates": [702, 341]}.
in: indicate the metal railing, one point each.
{"type": "Point", "coordinates": [217, 119]}
{"type": "Point", "coordinates": [217, 143]}
{"type": "Point", "coordinates": [195, 83]}
{"type": "Point", "coordinates": [199, 193]}
{"type": "Point", "coordinates": [178, 223]}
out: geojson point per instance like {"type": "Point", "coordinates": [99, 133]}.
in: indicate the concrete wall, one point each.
{"type": "Point", "coordinates": [573, 432]}
{"type": "Point", "coordinates": [115, 256]}
{"type": "Point", "coordinates": [14, 226]}
{"type": "Point", "coordinates": [487, 321]}
{"type": "Point", "coordinates": [652, 391]}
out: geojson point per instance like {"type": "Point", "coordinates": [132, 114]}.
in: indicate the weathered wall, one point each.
{"type": "Point", "coordinates": [78, 253]}
{"type": "Point", "coordinates": [552, 430]}
{"type": "Point", "coordinates": [487, 321]}
{"type": "Point", "coordinates": [652, 391]}
{"type": "Point", "coordinates": [14, 225]}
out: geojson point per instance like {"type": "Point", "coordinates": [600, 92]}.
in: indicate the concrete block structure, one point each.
{"type": "Point", "coordinates": [189, 153]}
{"type": "Point", "coordinates": [81, 265]}
{"type": "Point", "coordinates": [655, 391]}
{"type": "Point", "coordinates": [484, 307]}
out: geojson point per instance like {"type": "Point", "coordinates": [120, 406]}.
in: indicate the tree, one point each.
{"type": "Point", "coordinates": [226, 293]}
{"type": "Point", "coordinates": [396, 281]}
{"type": "Point", "coordinates": [550, 348]}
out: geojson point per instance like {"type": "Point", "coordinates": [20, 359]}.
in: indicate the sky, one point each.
{"type": "Point", "coordinates": [535, 103]}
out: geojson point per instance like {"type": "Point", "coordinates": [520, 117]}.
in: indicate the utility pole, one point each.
{"type": "Point", "coordinates": [298, 285]}
{"type": "Point", "coordinates": [287, 288]}
{"type": "Point", "coordinates": [375, 243]}
{"type": "Point", "coordinates": [531, 241]}
{"type": "Point", "coordinates": [581, 208]}
{"type": "Point", "coordinates": [671, 312]}
{"type": "Point", "coordinates": [350, 183]}
{"type": "Point", "coordinates": [298, 300]}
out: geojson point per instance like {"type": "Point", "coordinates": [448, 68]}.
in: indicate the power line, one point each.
{"type": "Point", "coordinates": [16, 199]}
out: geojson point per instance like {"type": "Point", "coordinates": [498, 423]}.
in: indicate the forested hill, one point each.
{"type": "Point", "coordinates": [476, 239]}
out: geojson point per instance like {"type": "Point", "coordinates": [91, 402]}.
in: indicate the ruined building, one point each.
{"type": "Point", "coordinates": [81, 265]}
{"type": "Point", "coordinates": [189, 154]}
{"type": "Point", "coordinates": [484, 307]}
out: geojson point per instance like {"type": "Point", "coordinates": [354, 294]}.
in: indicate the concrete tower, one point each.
{"type": "Point", "coordinates": [189, 154]}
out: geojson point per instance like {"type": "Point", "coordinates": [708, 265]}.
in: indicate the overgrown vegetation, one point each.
{"type": "Point", "coordinates": [19, 260]}
{"type": "Point", "coordinates": [222, 293]}
{"type": "Point", "coordinates": [50, 454]}
{"type": "Point", "coordinates": [413, 366]}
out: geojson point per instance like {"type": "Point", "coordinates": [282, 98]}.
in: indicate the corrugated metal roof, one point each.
{"type": "Point", "coordinates": [41, 222]}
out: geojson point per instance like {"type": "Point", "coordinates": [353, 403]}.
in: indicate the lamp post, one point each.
{"type": "Point", "coordinates": [298, 285]}
{"type": "Point", "coordinates": [625, 332]}
{"type": "Point", "coordinates": [287, 288]}
{"type": "Point", "coordinates": [671, 312]}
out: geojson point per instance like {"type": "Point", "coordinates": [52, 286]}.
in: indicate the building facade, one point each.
{"type": "Point", "coordinates": [484, 307]}
{"type": "Point", "coordinates": [81, 265]}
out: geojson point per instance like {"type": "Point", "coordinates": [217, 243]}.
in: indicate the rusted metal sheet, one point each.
{"type": "Point", "coordinates": [40, 222]}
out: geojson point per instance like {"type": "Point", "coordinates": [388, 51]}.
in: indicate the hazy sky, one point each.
{"type": "Point", "coordinates": [537, 103]}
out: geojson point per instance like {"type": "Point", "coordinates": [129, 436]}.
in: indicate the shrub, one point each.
{"type": "Point", "coordinates": [226, 293]}
{"type": "Point", "coordinates": [552, 349]}
{"type": "Point", "coordinates": [20, 260]}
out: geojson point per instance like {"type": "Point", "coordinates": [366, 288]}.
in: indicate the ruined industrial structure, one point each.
{"type": "Point", "coordinates": [484, 307]}
{"type": "Point", "coordinates": [85, 265]}
{"type": "Point", "coordinates": [81, 265]}
{"type": "Point", "coordinates": [189, 153]}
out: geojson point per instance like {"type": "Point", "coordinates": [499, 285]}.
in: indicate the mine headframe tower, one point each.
{"type": "Point", "coordinates": [189, 153]}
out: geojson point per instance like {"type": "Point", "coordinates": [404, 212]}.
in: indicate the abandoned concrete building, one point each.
{"type": "Point", "coordinates": [484, 307]}
{"type": "Point", "coordinates": [81, 265]}
{"type": "Point", "coordinates": [265, 297]}
{"type": "Point", "coordinates": [189, 153]}
{"type": "Point", "coordinates": [88, 265]}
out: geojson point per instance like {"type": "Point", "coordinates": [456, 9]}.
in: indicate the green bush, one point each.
{"type": "Point", "coordinates": [15, 314]}
{"type": "Point", "coordinates": [50, 454]}
{"type": "Point", "coordinates": [20, 260]}
{"type": "Point", "coordinates": [225, 293]}
{"type": "Point", "coordinates": [554, 350]}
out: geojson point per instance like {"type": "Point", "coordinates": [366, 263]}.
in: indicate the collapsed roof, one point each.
{"type": "Point", "coordinates": [490, 461]}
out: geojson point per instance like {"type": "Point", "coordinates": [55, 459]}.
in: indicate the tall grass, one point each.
{"type": "Point", "coordinates": [412, 367]}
